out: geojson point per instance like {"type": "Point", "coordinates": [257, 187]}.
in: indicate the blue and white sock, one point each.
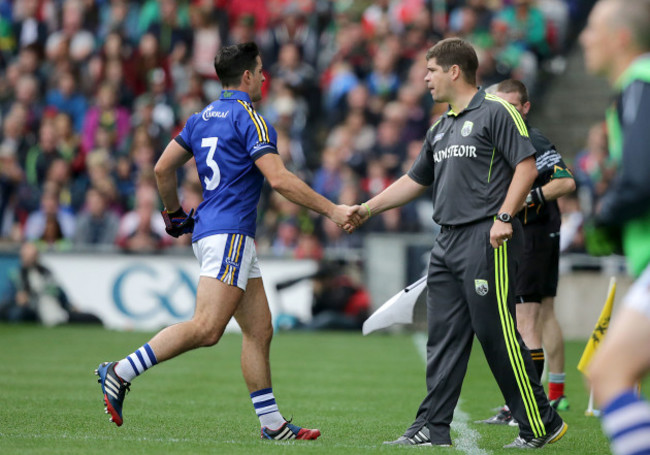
{"type": "Point", "coordinates": [136, 364]}
{"type": "Point", "coordinates": [267, 409]}
{"type": "Point", "coordinates": [626, 420]}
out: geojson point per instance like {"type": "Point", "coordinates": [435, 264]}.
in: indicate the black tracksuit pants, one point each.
{"type": "Point", "coordinates": [471, 292]}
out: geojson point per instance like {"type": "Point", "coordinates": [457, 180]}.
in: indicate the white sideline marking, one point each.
{"type": "Point", "coordinates": [467, 439]}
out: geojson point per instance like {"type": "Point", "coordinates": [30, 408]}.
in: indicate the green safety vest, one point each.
{"type": "Point", "coordinates": [636, 232]}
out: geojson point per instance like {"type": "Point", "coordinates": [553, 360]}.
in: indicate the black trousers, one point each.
{"type": "Point", "coordinates": [471, 292]}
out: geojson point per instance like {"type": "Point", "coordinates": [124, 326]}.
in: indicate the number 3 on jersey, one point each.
{"type": "Point", "coordinates": [212, 182]}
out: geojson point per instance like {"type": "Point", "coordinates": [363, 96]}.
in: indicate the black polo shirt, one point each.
{"type": "Point", "coordinates": [470, 157]}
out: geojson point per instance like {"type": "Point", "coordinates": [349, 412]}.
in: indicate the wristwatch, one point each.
{"type": "Point", "coordinates": [504, 217]}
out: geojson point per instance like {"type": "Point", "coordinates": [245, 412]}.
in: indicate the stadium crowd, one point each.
{"type": "Point", "coordinates": [92, 91]}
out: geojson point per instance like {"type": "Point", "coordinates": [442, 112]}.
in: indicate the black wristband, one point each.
{"type": "Point", "coordinates": [537, 196]}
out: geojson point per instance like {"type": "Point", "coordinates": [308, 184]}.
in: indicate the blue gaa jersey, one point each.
{"type": "Point", "coordinates": [226, 138]}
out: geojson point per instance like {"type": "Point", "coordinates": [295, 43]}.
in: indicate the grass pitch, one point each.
{"type": "Point", "coordinates": [358, 390]}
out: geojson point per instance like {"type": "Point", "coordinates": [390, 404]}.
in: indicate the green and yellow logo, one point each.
{"type": "Point", "coordinates": [467, 128]}
{"type": "Point", "coordinates": [481, 287]}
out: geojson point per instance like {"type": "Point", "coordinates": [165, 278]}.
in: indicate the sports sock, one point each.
{"type": "Point", "coordinates": [267, 409]}
{"type": "Point", "coordinates": [626, 420]}
{"type": "Point", "coordinates": [555, 385]}
{"type": "Point", "coordinates": [538, 360]}
{"type": "Point", "coordinates": [136, 364]}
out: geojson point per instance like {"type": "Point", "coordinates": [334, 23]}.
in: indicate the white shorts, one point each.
{"type": "Point", "coordinates": [230, 258]}
{"type": "Point", "coordinates": [638, 297]}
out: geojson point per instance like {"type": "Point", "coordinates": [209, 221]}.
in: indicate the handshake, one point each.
{"type": "Point", "coordinates": [349, 218]}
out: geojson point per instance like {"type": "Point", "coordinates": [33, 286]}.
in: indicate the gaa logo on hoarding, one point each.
{"type": "Point", "coordinates": [141, 292]}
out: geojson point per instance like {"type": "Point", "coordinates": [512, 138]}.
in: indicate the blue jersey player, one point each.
{"type": "Point", "coordinates": [235, 149]}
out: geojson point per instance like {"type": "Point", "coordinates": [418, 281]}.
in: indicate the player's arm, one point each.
{"type": "Point", "coordinates": [400, 192]}
{"type": "Point", "coordinates": [629, 195]}
{"type": "Point", "coordinates": [291, 187]}
{"type": "Point", "coordinates": [557, 188]}
{"type": "Point", "coordinates": [177, 222]}
{"type": "Point", "coordinates": [174, 157]}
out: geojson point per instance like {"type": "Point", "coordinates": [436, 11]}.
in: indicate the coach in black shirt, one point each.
{"type": "Point", "coordinates": [481, 165]}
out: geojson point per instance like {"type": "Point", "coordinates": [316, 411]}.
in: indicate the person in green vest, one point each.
{"type": "Point", "coordinates": [616, 44]}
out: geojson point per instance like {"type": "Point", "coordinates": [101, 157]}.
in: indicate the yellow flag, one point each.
{"type": "Point", "coordinates": [599, 331]}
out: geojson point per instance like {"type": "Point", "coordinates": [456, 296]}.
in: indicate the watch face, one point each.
{"type": "Point", "coordinates": [504, 217]}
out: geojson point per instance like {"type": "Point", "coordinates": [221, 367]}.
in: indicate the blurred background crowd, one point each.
{"type": "Point", "coordinates": [91, 91]}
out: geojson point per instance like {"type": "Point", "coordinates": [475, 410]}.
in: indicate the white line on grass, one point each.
{"type": "Point", "coordinates": [467, 440]}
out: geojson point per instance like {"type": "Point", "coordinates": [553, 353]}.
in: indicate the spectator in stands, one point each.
{"type": "Point", "coordinates": [383, 80]}
{"type": "Point", "coordinates": [594, 169]}
{"type": "Point", "coordinates": [342, 79]}
{"type": "Point", "coordinates": [124, 176]}
{"type": "Point", "coordinates": [27, 94]}
{"type": "Point", "coordinates": [526, 27]}
{"type": "Point", "coordinates": [146, 123]}
{"type": "Point", "coordinates": [68, 142]}
{"type": "Point", "coordinates": [97, 225]}
{"type": "Point", "coordinates": [142, 229]}
{"type": "Point", "coordinates": [71, 191]}
{"type": "Point", "coordinates": [15, 135]}
{"type": "Point", "coordinates": [389, 150]}
{"type": "Point", "coordinates": [328, 179]}
{"type": "Point", "coordinates": [107, 115]}
{"type": "Point", "coordinates": [30, 62]}
{"type": "Point", "coordinates": [11, 176]}
{"type": "Point", "coordinates": [206, 40]}
{"type": "Point", "coordinates": [49, 216]}
{"type": "Point", "coordinates": [119, 16]}
{"type": "Point", "coordinates": [66, 98]}
{"type": "Point", "coordinates": [292, 28]}
{"type": "Point", "coordinates": [172, 32]}
{"type": "Point", "coordinates": [416, 119]}
{"type": "Point", "coordinates": [80, 43]}
{"type": "Point", "coordinates": [293, 70]}
{"type": "Point", "coordinates": [41, 155]}
{"type": "Point", "coordinates": [28, 29]}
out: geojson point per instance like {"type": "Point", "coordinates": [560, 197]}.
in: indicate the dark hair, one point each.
{"type": "Point", "coordinates": [231, 62]}
{"type": "Point", "coordinates": [455, 51]}
{"type": "Point", "coordinates": [514, 85]}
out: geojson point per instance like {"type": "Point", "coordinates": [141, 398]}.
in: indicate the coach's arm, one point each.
{"type": "Point", "coordinates": [522, 181]}
{"type": "Point", "coordinates": [400, 192]}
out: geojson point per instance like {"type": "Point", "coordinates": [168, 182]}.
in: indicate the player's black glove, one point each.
{"type": "Point", "coordinates": [535, 198]}
{"type": "Point", "coordinates": [178, 223]}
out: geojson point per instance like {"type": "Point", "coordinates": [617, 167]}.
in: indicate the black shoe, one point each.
{"type": "Point", "coordinates": [538, 443]}
{"type": "Point", "coordinates": [503, 417]}
{"type": "Point", "coordinates": [289, 431]}
{"type": "Point", "coordinates": [114, 389]}
{"type": "Point", "coordinates": [421, 438]}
